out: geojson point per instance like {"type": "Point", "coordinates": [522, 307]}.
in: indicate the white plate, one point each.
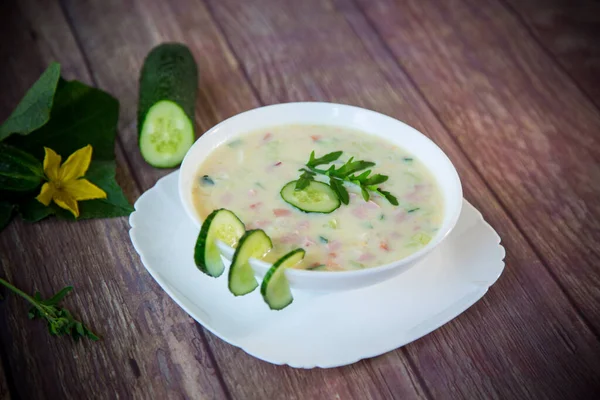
{"type": "Point", "coordinates": [317, 330]}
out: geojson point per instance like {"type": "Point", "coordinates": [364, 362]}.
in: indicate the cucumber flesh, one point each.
{"type": "Point", "coordinates": [317, 197]}
{"type": "Point", "coordinates": [255, 244]}
{"type": "Point", "coordinates": [275, 287]}
{"type": "Point", "coordinates": [167, 134]}
{"type": "Point", "coordinates": [221, 225]}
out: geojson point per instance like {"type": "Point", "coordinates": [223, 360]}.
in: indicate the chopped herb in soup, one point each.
{"type": "Point", "coordinates": [397, 216]}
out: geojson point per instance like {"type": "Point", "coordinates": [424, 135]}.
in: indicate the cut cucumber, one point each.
{"type": "Point", "coordinates": [317, 197]}
{"type": "Point", "coordinates": [275, 287]}
{"type": "Point", "coordinates": [255, 243]}
{"type": "Point", "coordinates": [167, 135]}
{"type": "Point", "coordinates": [167, 97]}
{"type": "Point", "coordinates": [220, 225]}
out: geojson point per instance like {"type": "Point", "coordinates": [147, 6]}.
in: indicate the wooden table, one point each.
{"type": "Point", "coordinates": [510, 89]}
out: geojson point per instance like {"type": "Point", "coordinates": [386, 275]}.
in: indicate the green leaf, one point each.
{"type": "Point", "coordinates": [375, 180]}
{"type": "Point", "coordinates": [392, 199]}
{"type": "Point", "coordinates": [91, 335]}
{"type": "Point", "coordinates": [32, 210]}
{"type": "Point", "coordinates": [33, 111]}
{"type": "Point", "coordinates": [365, 194]}
{"type": "Point", "coordinates": [351, 167]}
{"type": "Point", "coordinates": [79, 329]}
{"type": "Point", "coordinates": [326, 159]}
{"type": "Point", "coordinates": [6, 213]}
{"type": "Point", "coordinates": [58, 296]}
{"type": "Point", "coordinates": [360, 177]}
{"type": "Point", "coordinates": [340, 190]}
{"type": "Point", "coordinates": [81, 115]}
{"type": "Point", "coordinates": [304, 179]}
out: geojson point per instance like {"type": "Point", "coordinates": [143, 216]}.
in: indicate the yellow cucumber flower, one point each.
{"type": "Point", "coordinates": [65, 185]}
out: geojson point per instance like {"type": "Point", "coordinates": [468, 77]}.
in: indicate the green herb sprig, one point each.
{"type": "Point", "coordinates": [60, 320]}
{"type": "Point", "coordinates": [346, 172]}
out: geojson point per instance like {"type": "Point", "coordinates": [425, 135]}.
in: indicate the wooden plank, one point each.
{"type": "Point", "coordinates": [527, 128]}
{"type": "Point", "coordinates": [4, 390]}
{"type": "Point", "coordinates": [224, 92]}
{"type": "Point", "coordinates": [570, 31]}
{"type": "Point", "coordinates": [149, 347]}
{"type": "Point", "coordinates": [502, 347]}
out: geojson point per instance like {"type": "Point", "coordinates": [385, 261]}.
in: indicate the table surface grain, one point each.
{"type": "Point", "coordinates": [510, 89]}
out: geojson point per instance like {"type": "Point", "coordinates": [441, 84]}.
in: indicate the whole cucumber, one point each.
{"type": "Point", "coordinates": [167, 97]}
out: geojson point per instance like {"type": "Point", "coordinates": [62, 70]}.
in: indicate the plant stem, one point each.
{"type": "Point", "coordinates": [18, 291]}
{"type": "Point", "coordinates": [27, 297]}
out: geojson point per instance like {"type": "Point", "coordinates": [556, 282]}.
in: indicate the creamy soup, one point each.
{"type": "Point", "coordinates": [246, 175]}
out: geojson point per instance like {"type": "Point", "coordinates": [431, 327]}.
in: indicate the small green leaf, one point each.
{"type": "Point", "coordinates": [33, 111]}
{"type": "Point", "coordinates": [365, 194]}
{"type": "Point", "coordinates": [360, 177]}
{"type": "Point", "coordinates": [326, 159]}
{"type": "Point", "coordinates": [351, 167]}
{"type": "Point", "coordinates": [392, 199]}
{"type": "Point", "coordinates": [79, 328]}
{"type": "Point", "coordinates": [375, 180]}
{"type": "Point", "coordinates": [340, 190]}
{"type": "Point", "coordinates": [304, 179]}
{"type": "Point", "coordinates": [58, 296]}
{"type": "Point", "coordinates": [91, 335]}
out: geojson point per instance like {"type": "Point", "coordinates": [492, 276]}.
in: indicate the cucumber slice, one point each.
{"type": "Point", "coordinates": [255, 243]}
{"type": "Point", "coordinates": [167, 99]}
{"type": "Point", "coordinates": [220, 225]}
{"type": "Point", "coordinates": [317, 197]}
{"type": "Point", "coordinates": [167, 135]}
{"type": "Point", "coordinates": [275, 287]}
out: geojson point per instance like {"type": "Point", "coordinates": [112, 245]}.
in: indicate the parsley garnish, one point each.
{"type": "Point", "coordinates": [345, 173]}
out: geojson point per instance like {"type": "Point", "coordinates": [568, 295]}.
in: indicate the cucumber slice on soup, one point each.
{"type": "Point", "coordinates": [317, 197]}
{"type": "Point", "coordinates": [275, 287]}
{"type": "Point", "coordinates": [220, 225]}
{"type": "Point", "coordinates": [255, 244]}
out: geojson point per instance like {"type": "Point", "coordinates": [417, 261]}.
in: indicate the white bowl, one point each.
{"type": "Point", "coordinates": [340, 115]}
